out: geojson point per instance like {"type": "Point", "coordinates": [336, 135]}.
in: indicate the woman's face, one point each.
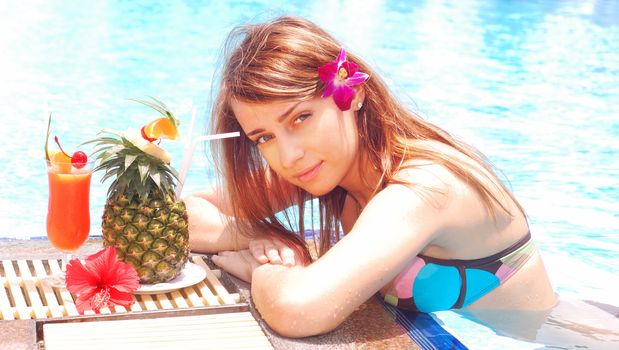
{"type": "Point", "coordinates": [312, 144]}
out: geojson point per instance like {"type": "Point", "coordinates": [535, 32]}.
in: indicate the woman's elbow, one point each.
{"type": "Point", "coordinates": [293, 317]}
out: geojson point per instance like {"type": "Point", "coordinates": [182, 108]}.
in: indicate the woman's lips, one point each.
{"type": "Point", "coordinates": [310, 173]}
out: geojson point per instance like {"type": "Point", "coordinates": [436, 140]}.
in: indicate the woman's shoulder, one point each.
{"type": "Point", "coordinates": [440, 150]}
{"type": "Point", "coordinates": [440, 187]}
{"type": "Point", "coordinates": [429, 176]}
{"type": "Point", "coordinates": [446, 173]}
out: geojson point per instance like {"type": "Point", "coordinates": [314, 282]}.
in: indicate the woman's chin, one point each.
{"type": "Point", "coordinates": [317, 190]}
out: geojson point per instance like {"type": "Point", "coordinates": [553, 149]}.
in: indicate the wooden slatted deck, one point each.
{"type": "Point", "coordinates": [24, 295]}
{"type": "Point", "coordinates": [205, 315]}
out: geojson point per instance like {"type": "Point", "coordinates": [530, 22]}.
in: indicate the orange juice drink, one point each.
{"type": "Point", "coordinates": [68, 211]}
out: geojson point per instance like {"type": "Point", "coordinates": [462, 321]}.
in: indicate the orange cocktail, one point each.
{"type": "Point", "coordinates": [68, 210]}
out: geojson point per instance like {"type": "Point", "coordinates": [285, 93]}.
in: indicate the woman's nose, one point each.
{"type": "Point", "coordinates": [289, 151]}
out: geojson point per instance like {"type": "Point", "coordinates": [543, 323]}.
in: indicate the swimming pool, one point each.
{"type": "Point", "coordinates": [533, 85]}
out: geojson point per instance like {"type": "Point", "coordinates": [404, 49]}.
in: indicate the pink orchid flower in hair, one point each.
{"type": "Point", "coordinates": [339, 77]}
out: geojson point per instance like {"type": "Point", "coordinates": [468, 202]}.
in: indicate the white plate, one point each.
{"type": "Point", "coordinates": [190, 274]}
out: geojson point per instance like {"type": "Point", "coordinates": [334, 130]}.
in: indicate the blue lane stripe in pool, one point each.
{"type": "Point", "coordinates": [424, 330]}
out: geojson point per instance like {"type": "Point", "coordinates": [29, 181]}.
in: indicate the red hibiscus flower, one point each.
{"type": "Point", "coordinates": [103, 281]}
{"type": "Point", "coordinates": [339, 77]}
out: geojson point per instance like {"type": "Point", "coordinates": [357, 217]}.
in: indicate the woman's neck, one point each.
{"type": "Point", "coordinates": [361, 181]}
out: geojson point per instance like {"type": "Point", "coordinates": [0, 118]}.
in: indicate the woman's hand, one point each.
{"type": "Point", "coordinates": [274, 251]}
{"type": "Point", "coordinates": [261, 251]}
{"type": "Point", "coordinates": [240, 263]}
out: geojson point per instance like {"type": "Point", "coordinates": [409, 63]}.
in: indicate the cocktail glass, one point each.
{"type": "Point", "coordinates": [68, 210]}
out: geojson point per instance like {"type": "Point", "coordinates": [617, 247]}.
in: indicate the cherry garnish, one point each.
{"type": "Point", "coordinates": [79, 158]}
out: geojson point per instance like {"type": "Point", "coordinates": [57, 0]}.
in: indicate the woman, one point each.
{"type": "Point", "coordinates": [426, 221]}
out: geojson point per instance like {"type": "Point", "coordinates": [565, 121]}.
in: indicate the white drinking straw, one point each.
{"type": "Point", "coordinates": [194, 111]}
{"type": "Point", "coordinates": [191, 147]}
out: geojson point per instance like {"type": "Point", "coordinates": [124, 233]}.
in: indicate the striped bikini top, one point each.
{"type": "Point", "coordinates": [429, 284]}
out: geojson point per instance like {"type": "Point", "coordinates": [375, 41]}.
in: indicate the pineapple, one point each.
{"type": "Point", "coordinates": [141, 217]}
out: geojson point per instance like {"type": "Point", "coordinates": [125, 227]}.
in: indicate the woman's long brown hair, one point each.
{"type": "Point", "coordinates": [278, 61]}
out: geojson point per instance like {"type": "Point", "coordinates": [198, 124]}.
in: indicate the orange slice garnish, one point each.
{"type": "Point", "coordinates": [61, 163]}
{"type": "Point", "coordinates": [162, 128]}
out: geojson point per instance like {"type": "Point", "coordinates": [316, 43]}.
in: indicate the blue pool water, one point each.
{"type": "Point", "coordinates": [534, 85]}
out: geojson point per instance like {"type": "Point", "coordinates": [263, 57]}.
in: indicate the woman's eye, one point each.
{"type": "Point", "coordinates": [301, 118]}
{"type": "Point", "coordinates": [263, 139]}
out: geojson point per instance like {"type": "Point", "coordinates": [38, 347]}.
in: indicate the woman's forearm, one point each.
{"type": "Point", "coordinates": [289, 305]}
{"type": "Point", "coordinates": [275, 299]}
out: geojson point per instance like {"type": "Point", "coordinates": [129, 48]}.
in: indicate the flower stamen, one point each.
{"type": "Point", "coordinates": [101, 299]}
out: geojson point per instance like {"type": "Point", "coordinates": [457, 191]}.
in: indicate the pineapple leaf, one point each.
{"type": "Point", "coordinates": [129, 160]}
{"type": "Point", "coordinates": [115, 149]}
{"type": "Point", "coordinates": [142, 191]}
{"type": "Point", "coordinates": [103, 166]}
{"type": "Point", "coordinates": [110, 131]}
{"type": "Point", "coordinates": [160, 107]}
{"type": "Point", "coordinates": [144, 170]}
{"type": "Point", "coordinates": [104, 157]}
{"type": "Point", "coordinates": [166, 111]}
{"type": "Point", "coordinates": [174, 173]}
{"type": "Point", "coordinates": [119, 187]}
{"type": "Point", "coordinates": [166, 182]}
{"type": "Point", "coordinates": [160, 103]}
{"type": "Point", "coordinates": [100, 150]}
{"type": "Point", "coordinates": [108, 175]}
{"type": "Point", "coordinates": [134, 173]}
{"type": "Point", "coordinates": [157, 179]}
{"type": "Point", "coordinates": [109, 141]}
{"type": "Point", "coordinates": [151, 105]}
{"type": "Point", "coordinates": [102, 140]}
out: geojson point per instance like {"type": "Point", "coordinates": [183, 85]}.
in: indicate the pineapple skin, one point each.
{"type": "Point", "coordinates": [151, 235]}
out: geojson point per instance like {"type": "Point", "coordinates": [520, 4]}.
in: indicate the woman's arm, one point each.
{"type": "Point", "coordinates": [394, 227]}
{"type": "Point", "coordinates": [209, 219]}
{"type": "Point", "coordinates": [209, 229]}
